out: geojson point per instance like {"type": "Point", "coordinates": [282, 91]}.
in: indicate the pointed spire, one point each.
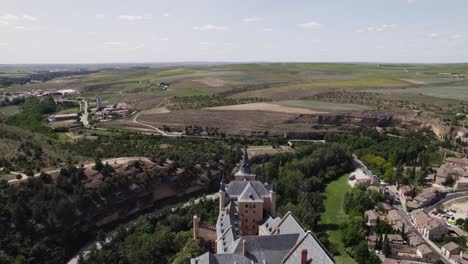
{"type": "Point", "coordinates": [246, 156]}
{"type": "Point", "coordinates": [273, 189]}
{"type": "Point", "coordinates": [221, 187]}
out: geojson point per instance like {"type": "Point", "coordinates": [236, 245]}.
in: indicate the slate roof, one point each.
{"type": "Point", "coordinates": [245, 169]}
{"type": "Point", "coordinates": [235, 188]}
{"type": "Point", "coordinates": [210, 258]}
{"type": "Point", "coordinates": [271, 249]}
{"type": "Point", "coordinates": [270, 224]}
{"type": "Point", "coordinates": [227, 227]}
{"type": "Point", "coordinates": [316, 252]}
{"type": "Point", "coordinates": [267, 249]}
{"type": "Point", "coordinates": [289, 225]}
{"type": "Point", "coordinates": [249, 194]}
{"type": "Point", "coordinates": [451, 246]}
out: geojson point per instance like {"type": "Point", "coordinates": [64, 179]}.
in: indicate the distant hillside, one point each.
{"type": "Point", "coordinates": [21, 149]}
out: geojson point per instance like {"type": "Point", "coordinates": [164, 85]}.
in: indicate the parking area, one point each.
{"type": "Point", "coordinates": [453, 210]}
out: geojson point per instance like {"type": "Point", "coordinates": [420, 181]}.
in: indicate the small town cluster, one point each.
{"type": "Point", "coordinates": [426, 222]}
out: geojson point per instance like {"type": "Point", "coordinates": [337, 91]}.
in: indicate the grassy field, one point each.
{"type": "Point", "coordinates": [450, 92]}
{"type": "Point", "coordinates": [334, 216]}
{"type": "Point", "coordinates": [71, 110]}
{"type": "Point", "coordinates": [318, 105]}
{"type": "Point", "coordinates": [8, 110]}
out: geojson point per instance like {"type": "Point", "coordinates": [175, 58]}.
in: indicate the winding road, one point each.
{"type": "Point", "coordinates": [87, 248]}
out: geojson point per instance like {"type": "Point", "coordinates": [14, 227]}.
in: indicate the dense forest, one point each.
{"type": "Point", "coordinates": [394, 158]}
{"type": "Point", "coordinates": [157, 239]}
{"type": "Point", "coordinates": [45, 219]}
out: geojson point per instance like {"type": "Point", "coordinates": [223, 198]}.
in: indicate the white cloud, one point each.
{"type": "Point", "coordinates": [311, 24]}
{"type": "Point", "coordinates": [252, 19]}
{"type": "Point", "coordinates": [28, 18]}
{"type": "Point", "coordinates": [100, 16]}
{"type": "Point", "coordinates": [209, 27]}
{"type": "Point", "coordinates": [378, 28]}
{"type": "Point", "coordinates": [9, 17]}
{"type": "Point", "coordinates": [268, 29]}
{"type": "Point", "coordinates": [115, 44]}
{"type": "Point", "coordinates": [2, 22]}
{"type": "Point", "coordinates": [130, 18]}
{"type": "Point", "coordinates": [456, 36]}
{"type": "Point", "coordinates": [164, 39]}
{"type": "Point", "coordinates": [166, 14]}
{"type": "Point", "coordinates": [3, 44]}
{"type": "Point", "coordinates": [134, 17]}
{"type": "Point", "coordinates": [20, 27]}
{"type": "Point", "coordinates": [433, 35]}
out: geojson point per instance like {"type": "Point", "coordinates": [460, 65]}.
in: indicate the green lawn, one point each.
{"type": "Point", "coordinates": [8, 110]}
{"type": "Point", "coordinates": [72, 110]}
{"type": "Point", "coordinates": [335, 215]}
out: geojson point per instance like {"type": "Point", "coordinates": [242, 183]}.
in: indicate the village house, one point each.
{"type": "Point", "coordinates": [424, 252]}
{"type": "Point", "coordinates": [450, 249]}
{"type": "Point", "coordinates": [393, 217]}
{"type": "Point", "coordinates": [454, 169]}
{"type": "Point", "coordinates": [462, 258]}
{"type": "Point", "coordinates": [428, 227]}
{"type": "Point", "coordinates": [427, 197]}
{"type": "Point", "coordinates": [415, 239]}
{"type": "Point", "coordinates": [64, 117]}
{"type": "Point", "coordinates": [248, 230]}
{"type": "Point", "coordinates": [372, 217]}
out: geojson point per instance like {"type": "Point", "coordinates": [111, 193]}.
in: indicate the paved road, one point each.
{"type": "Point", "coordinates": [87, 248]}
{"type": "Point", "coordinates": [84, 117]}
{"type": "Point", "coordinates": [450, 196]}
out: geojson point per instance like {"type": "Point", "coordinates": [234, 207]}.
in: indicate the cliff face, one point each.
{"type": "Point", "coordinates": [146, 184]}
{"type": "Point", "coordinates": [359, 119]}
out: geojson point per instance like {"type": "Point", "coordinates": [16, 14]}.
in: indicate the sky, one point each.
{"type": "Point", "coordinates": [117, 31]}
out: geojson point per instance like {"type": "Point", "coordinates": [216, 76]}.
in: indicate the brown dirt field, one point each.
{"type": "Point", "coordinates": [232, 122]}
{"type": "Point", "coordinates": [144, 101]}
{"type": "Point", "coordinates": [262, 150]}
{"type": "Point", "coordinates": [413, 81]}
{"type": "Point", "coordinates": [266, 107]}
{"type": "Point", "coordinates": [157, 110]}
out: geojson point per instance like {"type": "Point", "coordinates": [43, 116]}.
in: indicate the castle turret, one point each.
{"type": "Point", "coordinates": [196, 227]}
{"type": "Point", "coordinates": [273, 200]}
{"type": "Point", "coordinates": [222, 194]}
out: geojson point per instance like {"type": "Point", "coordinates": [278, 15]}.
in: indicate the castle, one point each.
{"type": "Point", "coordinates": [248, 230]}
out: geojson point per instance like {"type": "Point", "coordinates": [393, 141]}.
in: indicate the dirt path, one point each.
{"type": "Point", "coordinates": [116, 161]}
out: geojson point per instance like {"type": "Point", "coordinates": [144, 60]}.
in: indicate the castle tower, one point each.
{"type": "Point", "coordinates": [196, 227]}
{"type": "Point", "coordinates": [98, 103]}
{"type": "Point", "coordinates": [222, 194]}
{"type": "Point", "coordinates": [245, 172]}
{"type": "Point", "coordinates": [273, 200]}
